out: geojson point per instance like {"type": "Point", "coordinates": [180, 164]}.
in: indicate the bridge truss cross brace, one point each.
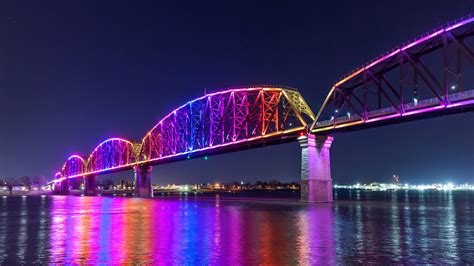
{"type": "Point", "coordinates": [316, 181]}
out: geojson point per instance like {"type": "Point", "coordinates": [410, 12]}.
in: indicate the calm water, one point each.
{"type": "Point", "coordinates": [434, 227]}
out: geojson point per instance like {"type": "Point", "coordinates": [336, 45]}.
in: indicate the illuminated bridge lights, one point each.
{"type": "Point", "coordinates": [226, 118]}
{"type": "Point", "coordinates": [396, 86]}
{"type": "Point", "coordinates": [215, 122]}
{"type": "Point", "coordinates": [401, 83]}
{"type": "Point", "coordinates": [112, 153]}
{"type": "Point", "coordinates": [74, 165]}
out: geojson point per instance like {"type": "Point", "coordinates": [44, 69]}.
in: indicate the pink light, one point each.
{"type": "Point", "coordinates": [108, 140]}
{"type": "Point", "coordinates": [382, 59]}
{"type": "Point", "coordinates": [386, 57]}
{"type": "Point", "coordinates": [460, 103]}
{"type": "Point", "coordinates": [422, 40]}
{"type": "Point", "coordinates": [90, 156]}
{"type": "Point", "coordinates": [381, 118]}
{"type": "Point", "coordinates": [459, 24]}
{"type": "Point", "coordinates": [207, 96]}
{"type": "Point", "coordinates": [408, 113]}
{"type": "Point", "coordinates": [161, 123]}
{"type": "Point", "coordinates": [58, 178]}
{"type": "Point", "coordinates": [73, 157]}
{"type": "Point", "coordinates": [188, 152]}
{"type": "Point", "coordinates": [424, 110]}
{"type": "Point", "coordinates": [112, 139]}
{"type": "Point", "coordinates": [408, 46]}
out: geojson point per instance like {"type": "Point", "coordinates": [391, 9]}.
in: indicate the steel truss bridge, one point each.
{"type": "Point", "coordinates": [429, 76]}
{"type": "Point", "coordinates": [224, 121]}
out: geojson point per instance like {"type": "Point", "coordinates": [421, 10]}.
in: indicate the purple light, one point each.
{"type": "Point", "coordinates": [213, 121]}
{"type": "Point", "coordinates": [403, 48]}
{"type": "Point", "coordinates": [391, 116]}
{"type": "Point", "coordinates": [386, 57]}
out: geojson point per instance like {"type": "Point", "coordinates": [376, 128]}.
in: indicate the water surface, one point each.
{"type": "Point", "coordinates": [397, 227]}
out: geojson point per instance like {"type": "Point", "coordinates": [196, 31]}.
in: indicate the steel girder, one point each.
{"type": "Point", "coordinates": [431, 71]}
{"type": "Point", "coordinates": [224, 118]}
{"type": "Point", "coordinates": [74, 165]}
{"type": "Point", "coordinates": [111, 154]}
{"type": "Point", "coordinates": [220, 120]}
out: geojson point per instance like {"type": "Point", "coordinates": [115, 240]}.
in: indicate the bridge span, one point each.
{"type": "Point", "coordinates": [431, 75]}
{"type": "Point", "coordinates": [221, 122]}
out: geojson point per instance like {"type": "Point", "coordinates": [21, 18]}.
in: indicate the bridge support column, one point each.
{"type": "Point", "coordinates": [57, 188]}
{"type": "Point", "coordinates": [90, 185]}
{"type": "Point", "coordinates": [143, 186]}
{"type": "Point", "coordinates": [64, 187]}
{"type": "Point", "coordinates": [316, 181]}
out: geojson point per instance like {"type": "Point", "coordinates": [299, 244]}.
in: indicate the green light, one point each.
{"type": "Point", "coordinates": [205, 158]}
{"type": "Point", "coordinates": [188, 157]}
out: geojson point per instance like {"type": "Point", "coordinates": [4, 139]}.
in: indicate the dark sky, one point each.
{"type": "Point", "coordinates": [73, 73]}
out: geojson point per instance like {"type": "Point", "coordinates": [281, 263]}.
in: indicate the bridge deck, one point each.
{"type": "Point", "coordinates": [457, 102]}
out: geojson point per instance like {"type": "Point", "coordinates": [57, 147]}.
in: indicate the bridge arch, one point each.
{"type": "Point", "coordinates": [74, 165]}
{"type": "Point", "coordinates": [112, 154]}
{"type": "Point", "coordinates": [230, 117]}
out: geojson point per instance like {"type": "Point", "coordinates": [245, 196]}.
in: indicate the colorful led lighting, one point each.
{"type": "Point", "coordinates": [394, 52]}
{"type": "Point", "coordinates": [268, 99]}
{"type": "Point", "coordinates": [405, 47]}
{"type": "Point", "coordinates": [131, 165]}
{"type": "Point", "coordinates": [391, 116]}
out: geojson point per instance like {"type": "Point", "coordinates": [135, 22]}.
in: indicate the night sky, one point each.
{"type": "Point", "coordinates": [74, 73]}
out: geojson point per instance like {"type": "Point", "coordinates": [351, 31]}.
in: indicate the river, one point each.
{"type": "Point", "coordinates": [359, 227]}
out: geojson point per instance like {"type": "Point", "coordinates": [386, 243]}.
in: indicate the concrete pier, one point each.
{"type": "Point", "coordinates": [143, 186]}
{"type": "Point", "coordinates": [64, 187]}
{"type": "Point", "coordinates": [316, 181]}
{"type": "Point", "coordinates": [90, 185]}
{"type": "Point", "coordinates": [56, 188]}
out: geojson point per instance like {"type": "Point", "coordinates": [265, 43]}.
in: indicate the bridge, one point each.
{"type": "Point", "coordinates": [225, 121]}
{"type": "Point", "coordinates": [429, 76]}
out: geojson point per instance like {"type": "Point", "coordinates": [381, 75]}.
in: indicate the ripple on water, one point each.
{"type": "Point", "coordinates": [383, 227]}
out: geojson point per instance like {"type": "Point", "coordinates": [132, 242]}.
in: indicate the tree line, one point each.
{"type": "Point", "coordinates": [27, 181]}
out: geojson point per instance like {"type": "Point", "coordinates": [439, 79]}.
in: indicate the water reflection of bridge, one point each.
{"type": "Point", "coordinates": [423, 78]}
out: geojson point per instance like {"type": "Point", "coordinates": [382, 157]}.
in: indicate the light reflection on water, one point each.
{"type": "Point", "coordinates": [403, 227]}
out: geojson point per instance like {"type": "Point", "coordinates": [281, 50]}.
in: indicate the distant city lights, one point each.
{"type": "Point", "coordinates": [384, 186]}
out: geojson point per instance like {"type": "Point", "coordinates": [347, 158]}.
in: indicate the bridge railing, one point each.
{"type": "Point", "coordinates": [452, 98]}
